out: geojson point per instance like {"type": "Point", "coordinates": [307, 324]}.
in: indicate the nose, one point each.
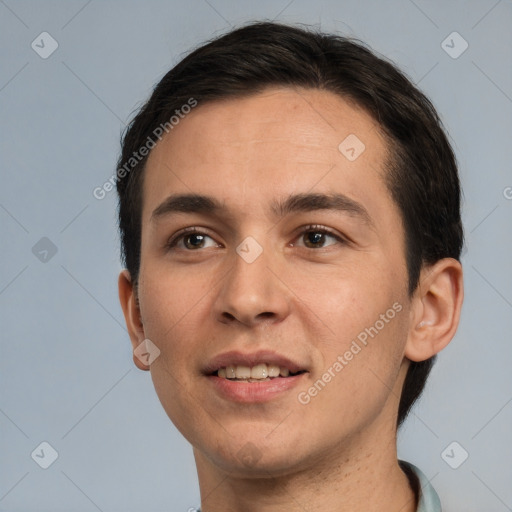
{"type": "Point", "coordinates": [253, 293]}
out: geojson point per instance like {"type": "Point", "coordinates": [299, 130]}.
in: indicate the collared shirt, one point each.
{"type": "Point", "coordinates": [428, 500]}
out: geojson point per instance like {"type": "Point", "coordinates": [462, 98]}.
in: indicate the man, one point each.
{"type": "Point", "coordinates": [290, 221]}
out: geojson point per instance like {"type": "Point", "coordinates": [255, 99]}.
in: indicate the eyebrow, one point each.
{"type": "Point", "coordinates": [201, 204]}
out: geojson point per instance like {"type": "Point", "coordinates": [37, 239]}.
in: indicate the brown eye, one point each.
{"type": "Point", "coordinates": [318, 237]}
{"type": "Point", "coordinates": [314, 238]}
{"type": "Point", "coordinates": [191, 240]}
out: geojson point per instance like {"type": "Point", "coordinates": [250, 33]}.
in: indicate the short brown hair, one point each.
{"type": "Point", "coordinates": [422, 174]}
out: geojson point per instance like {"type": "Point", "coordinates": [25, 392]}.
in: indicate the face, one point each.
{"type": "Point", "coordinates": [293, 261]}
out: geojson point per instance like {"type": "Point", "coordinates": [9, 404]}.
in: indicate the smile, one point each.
{"type": "Point", "coordinates": [258, 373]}
{"type": "Point", "coordinates": [254, 377]}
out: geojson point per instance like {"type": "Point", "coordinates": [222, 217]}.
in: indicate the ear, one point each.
{"type": "Point", "coordinates": [436, 308]}
{"type": "Point", "coordinates": [131, 311]}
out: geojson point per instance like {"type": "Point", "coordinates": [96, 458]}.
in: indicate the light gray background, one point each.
{"type": "Point", "coordinates": [66, 371]}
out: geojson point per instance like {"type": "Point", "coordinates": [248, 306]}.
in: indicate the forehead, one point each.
{"type": "Point", "coordinates": [297, 119]}
{"type": "Point", "coordinates": [260, 149]}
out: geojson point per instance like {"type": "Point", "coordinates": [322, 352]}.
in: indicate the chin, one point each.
{"type": "Point", "coordinates": [255, 457]}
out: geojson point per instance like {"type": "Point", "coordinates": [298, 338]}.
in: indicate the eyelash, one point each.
{"type": "Point", "coordinates": [315, 228]}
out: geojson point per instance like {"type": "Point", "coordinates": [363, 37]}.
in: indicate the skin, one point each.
{"type": "Point", "coordinates": [338, 452]}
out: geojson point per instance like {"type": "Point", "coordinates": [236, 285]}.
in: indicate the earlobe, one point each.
{"type": "Point", "coordinates": [129, 304]}
{"type": "Point", "coordinates": [437, 305]}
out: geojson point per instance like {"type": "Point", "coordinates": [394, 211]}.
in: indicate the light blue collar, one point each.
{"type": "Point", "coordinates": [428, 499]}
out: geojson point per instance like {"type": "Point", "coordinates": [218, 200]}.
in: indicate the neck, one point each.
{"type": "Point", "coordinates": [365, 477]}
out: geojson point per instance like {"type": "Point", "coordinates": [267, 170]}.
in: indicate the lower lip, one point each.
{"type": "Point", "coordinates": [253, 392]}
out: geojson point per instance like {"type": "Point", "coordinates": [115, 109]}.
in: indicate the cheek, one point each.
{"type": "Point", "coordinates": [347, 299]}
{"type": "Point", "coordinates": [170, 304]}
{"type": "Point", "coordinates": [170, 308]}
{"type": "Point", "coordinates": [362, 319]}
{"type": "Point", "coordinates": [357, 381]}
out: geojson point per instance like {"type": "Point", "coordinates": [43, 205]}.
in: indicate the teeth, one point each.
{"type": "Point", "coordinates": [273, 370]}
{"type": "Point", "coordinates": [243, 372]}
{"type": "Point", "coordinates": [259, 372]}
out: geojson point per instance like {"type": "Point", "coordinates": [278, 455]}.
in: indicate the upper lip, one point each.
{"type": "Point", "coordinates": [236, 358]}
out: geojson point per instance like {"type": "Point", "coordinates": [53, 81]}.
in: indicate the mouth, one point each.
{"type": "Point", "coordinates": [253, 377]}
{"type": "Point", "coordinates": [259, 373]}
